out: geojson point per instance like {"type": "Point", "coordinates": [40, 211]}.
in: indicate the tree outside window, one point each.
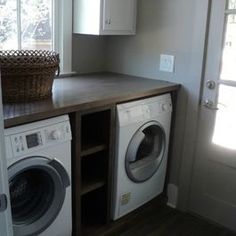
{"type": "Point", "coordinates": [26, 24]}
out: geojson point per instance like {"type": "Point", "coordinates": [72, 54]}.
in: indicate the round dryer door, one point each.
{"type": "Point", "coordinates": [37, 192]}
{"type": "Point", "coordinates": [145, 152]}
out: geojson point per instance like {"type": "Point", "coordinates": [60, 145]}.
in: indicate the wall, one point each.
{"type": "Point", "coordinates": [174, 27]}
{"type": "Point", "coordinates": [88, 53]}
{"type": "Point", "coordinates": [161, 28]}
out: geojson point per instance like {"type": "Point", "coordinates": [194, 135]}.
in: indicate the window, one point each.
{"type": "Point", "coordinates": [26, 24]}
{"type": "Point", "coordinates": [38, 24]}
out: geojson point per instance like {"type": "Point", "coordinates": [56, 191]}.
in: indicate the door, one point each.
{"type": "Point", "coordinates": [213, 189]}
{"type": "Point", "coordinates": [5, 214]}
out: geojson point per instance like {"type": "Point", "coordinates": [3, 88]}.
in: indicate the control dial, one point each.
{"type": "Point", "coordinates": [165, 107]}
{"type": "Point", "coordinates": [56, 134]}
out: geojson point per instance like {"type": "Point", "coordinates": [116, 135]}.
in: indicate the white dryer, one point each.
{"type": "Point", "coordinates": [39, 173]}
{"type": "Point", "coordinates": [143, 129]}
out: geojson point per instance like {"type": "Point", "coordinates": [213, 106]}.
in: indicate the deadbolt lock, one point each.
{"type": "Point", "coordinates": [211, 84]}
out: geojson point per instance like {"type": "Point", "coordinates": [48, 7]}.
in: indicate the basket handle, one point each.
{"type": "Point", "coordinates": [58, 70]}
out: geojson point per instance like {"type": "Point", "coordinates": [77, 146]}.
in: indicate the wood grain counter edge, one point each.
{"type": "Point", "coordinates": [17, 114]}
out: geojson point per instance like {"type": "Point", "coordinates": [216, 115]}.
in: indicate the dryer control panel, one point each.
{"type": "Point", "coordinates": [145, 109]}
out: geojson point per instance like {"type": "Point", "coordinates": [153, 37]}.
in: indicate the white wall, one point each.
{"type": "Point", "coordinates": [174, 27]}
{"type": "Point", "coordinates": [162, 27]}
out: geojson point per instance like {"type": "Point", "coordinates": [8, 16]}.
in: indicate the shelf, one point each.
{"type": "Point", "coordinates": [92, 148]}
{"type": "Point", "coordinates": [90, 185]}
{"type": "Point", "coordinates": [93, 211]}
{"type": "Point", "coordinates": [93, 229]}
{"type": "Point", "coordinates": [94, 157]}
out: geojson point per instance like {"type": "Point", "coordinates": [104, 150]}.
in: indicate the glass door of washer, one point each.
{"type": "Point", "coordinates": [37, 192]}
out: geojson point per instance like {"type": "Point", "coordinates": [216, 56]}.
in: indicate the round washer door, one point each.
{"type": "Point", "coordinates": [145, 152]}
{"type": "Point", "coordinates": [37, 191]}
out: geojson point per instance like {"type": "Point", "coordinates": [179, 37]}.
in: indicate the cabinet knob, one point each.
{"type": "Point", "coordinates": [108, 21]}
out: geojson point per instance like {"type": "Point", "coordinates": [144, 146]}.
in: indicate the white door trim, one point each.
{"type": "Point", "coordinates": [197, 60]}
{"type": "Point", "coordinates": [5, 217]}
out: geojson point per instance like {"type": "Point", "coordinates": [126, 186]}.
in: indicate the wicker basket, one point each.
{"type": "Point", "coordinates": [27, 75]}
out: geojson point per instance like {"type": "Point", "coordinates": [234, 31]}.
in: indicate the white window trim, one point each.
{"type": "Point", "coordinates": [63, 33]}
{"type": "Point", "coordinates": [18, 3]}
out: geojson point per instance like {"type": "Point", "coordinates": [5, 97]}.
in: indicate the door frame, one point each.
{"type": "Point", "coordinates": [201, 16]}
{"type": "Point", "coordinates": [5, 217]}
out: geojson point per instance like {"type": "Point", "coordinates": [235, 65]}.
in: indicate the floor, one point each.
{"type": "Point", "coordinates": [165, 221]}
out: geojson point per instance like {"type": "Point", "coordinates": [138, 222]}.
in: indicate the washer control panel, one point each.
{"type": "Point", "coordinates": [28, 139]}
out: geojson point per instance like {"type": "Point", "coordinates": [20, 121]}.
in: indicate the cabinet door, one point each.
{"type": "Point", "coordinates": [87, 16]}
{"type": "Point", "coordinates": [119, 16]}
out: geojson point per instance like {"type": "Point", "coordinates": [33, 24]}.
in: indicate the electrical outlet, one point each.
{"type": "Point", "coordinates": [167, 63]}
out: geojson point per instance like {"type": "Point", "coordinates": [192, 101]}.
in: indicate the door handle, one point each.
{"type": "Point", "coordinates": [209, 104]}
{"type": "Point", "coordinates": [3, 202]}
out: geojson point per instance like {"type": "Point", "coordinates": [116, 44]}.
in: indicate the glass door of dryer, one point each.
{"type": "Point", "coordinates": [145, 152]}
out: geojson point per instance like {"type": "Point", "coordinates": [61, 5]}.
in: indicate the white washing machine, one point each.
{"type": "Point", "coordinates": [39, 173]}
{"type": "Point", "coordinates": [143, 129]}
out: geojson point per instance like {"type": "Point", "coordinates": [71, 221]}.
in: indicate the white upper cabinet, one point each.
{"type": "Point", "coordinates": [105, 17]}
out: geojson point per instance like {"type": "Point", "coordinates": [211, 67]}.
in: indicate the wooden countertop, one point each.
{"type": "Point", "coordinates": [84, 92]}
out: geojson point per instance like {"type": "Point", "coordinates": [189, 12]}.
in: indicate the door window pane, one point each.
{"type": "Point", "coordinates": [228, 71]}
{"type": "Point", "coordinates": [231, 4]}
{"type": "Point", "coordinates": [8, 24]}
{"type": "Point", "coordinates": [225, 125]}
{"type": "Point", "coordinates": [36, 24]}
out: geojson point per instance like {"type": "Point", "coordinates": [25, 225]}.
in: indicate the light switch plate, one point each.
{"type": "Point", "coordinates": [167, 63]}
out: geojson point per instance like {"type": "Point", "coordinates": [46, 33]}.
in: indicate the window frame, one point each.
{"type": "Point", "coordinates": [61, 35]}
